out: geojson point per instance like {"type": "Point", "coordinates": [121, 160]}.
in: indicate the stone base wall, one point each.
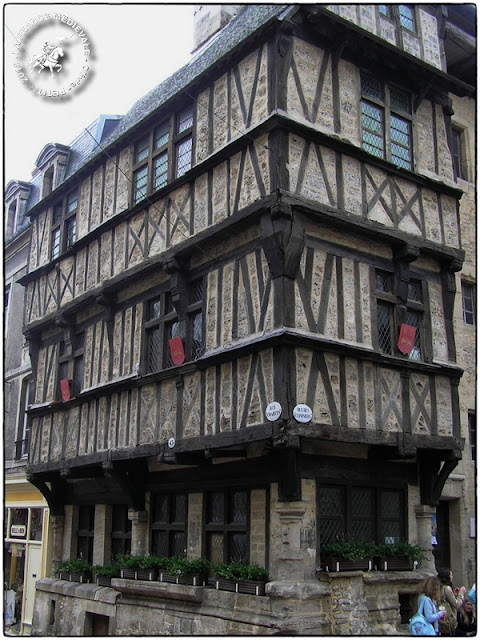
{"type": "Point", "coordinates": [345, 603]}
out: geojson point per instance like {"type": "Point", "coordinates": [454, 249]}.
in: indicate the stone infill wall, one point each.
{"type": "Point", "coordinates": [346, 603]}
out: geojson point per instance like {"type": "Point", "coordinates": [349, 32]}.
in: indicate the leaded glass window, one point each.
{"type": "Point", "coordinates": [169, 524]}
{"type": "Point", "coordinates": [227, 525]}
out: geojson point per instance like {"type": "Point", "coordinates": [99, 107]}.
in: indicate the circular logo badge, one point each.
{"type": "Point", "coordinates": [52, 55]}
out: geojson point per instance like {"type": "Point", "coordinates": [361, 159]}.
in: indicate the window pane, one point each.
{"type": "Point", "coordinates": [383, 9]}
{"type": "Point", "coordinates": [71, 231]}
{"type": "Point", "coordinates": [185, 120]}
{"type": "Point", "coordinates": [140, 184]}
{"type": "Point", "coordinates": [415, 291]}
{"type": "Point", "coordinates": [238, 507]}
{"type": "Point", "coordinates": [56, 243]}
{"type": "Point", "coordinates": [160, 170]}
{"type": "Point", "coordinates": [215, 547]}
{"type": "Point", "coordinates": [371, 87]}
{"type": "Point", "coordinates": [384, 325]}
{"type": "Point", "coordinates": [238, 548]}
{"type": "Point", "coordinates": [154, 309]}
{"type": "Point", "coordinates": [372, 129]}
{"type": "Point", "coordinates": [197, 335]}
{"type": "Point", "coordinates": [184, 159]}
{"type": "Point", "coordinates": [180, 508]}
{"type": "Point", "coordinates": [400, 135]}
{"type": "Point", "coordinates": [36, 523]}
{"type": "Point", "coordinates": [160, 136]}
{"type": "Point", "coordinates": [383, 281]}
{"type": "Point", "coordinates": [216, 507]}
{"type": "Point", "coordinates": [72, 202]}
{"type": "Point", "coordinates": [160, 543]}
{"type": "Point", "coordinates": [153, 350]}
{"type": "Point", "coordinates": [179, 544]}
{"type": "Point", "coordinates": [406, 16]}
{"type": "Point", "coordinates": [468, 303]}
{"type": "Point", "coordinates": [331, 512]}
{"type": "Point", "coordinates": [400, 100]}
{"type": "Point", "coordinates": [414, 319]}
{"type": "Point", "coordinates": [57, 213]}
{"type": "Point", "coordinates": [141, 150]}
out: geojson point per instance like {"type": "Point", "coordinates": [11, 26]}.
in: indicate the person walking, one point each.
{"type": "Point", "coordinates": [452, 600]}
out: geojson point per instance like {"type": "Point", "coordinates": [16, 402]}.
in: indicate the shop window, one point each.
{"type": "Point", "coordinates": [163, 154]}
{"type": "Point", "coordinates": [386, 121]}
{"type": "Point", "coordinates": [169, 524]}
{"type": "Point", "coordinates": [121, 530]}
{"type": "Point", "coordinates": [86, 532]}
{"type": "Point", "coordinates": [227, 526]}
{"type": "Point", "coordinates": [372, 514]}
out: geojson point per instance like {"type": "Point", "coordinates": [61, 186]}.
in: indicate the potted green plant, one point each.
{"type": "Point", "coordinates": [139, 567]}
{"type": "Point", "coordinates": [397, 556]}
{"type": "Point", "coordinates": [77, 570]}
{"type": "Point", "coordinates": [192, 571]}
{"type": "Point", "coordinates": [241, 578]}
{"type": "Point", "coordinates": [347, 555]}
{"type": "Point", "coordinates": [105, 573]}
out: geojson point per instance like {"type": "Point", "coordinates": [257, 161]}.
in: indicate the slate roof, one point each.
{"type": "Point", "coordinates": [250, 19]}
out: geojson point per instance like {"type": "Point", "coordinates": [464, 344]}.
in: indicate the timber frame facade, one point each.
{"type": "Point", "coordinates": [285, 205]}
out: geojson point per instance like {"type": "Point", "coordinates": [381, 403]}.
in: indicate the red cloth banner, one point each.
{"type": "Point", "coordinates": [406, 339]}
{"type": "Point", "coordinates": [176, 350]}
{"type": "Point", "coordinates": [65, 388]}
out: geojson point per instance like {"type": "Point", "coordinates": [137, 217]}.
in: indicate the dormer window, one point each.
{"type": "Point", "coordinates": [11, 219]}
{"type": "Point", "coordinates": [48, 181]}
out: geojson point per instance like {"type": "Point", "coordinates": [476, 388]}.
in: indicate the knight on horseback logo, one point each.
{"type": "Point", "coordinates": [48, 59]}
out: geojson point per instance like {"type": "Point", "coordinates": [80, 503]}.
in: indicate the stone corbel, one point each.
{"type": "Point", "coordinates": [403, 256]}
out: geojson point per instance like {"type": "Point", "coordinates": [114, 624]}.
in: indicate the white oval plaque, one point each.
{"type": "Point", "coordinates": [302, 413]}
{"type": "Point", "coordinates": [171, 442]}
{"type": "Point", "coordinates": [273, 411]}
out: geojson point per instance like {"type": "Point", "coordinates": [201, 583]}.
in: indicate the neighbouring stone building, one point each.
{"type": "Point", "coordinates": [250, 311]}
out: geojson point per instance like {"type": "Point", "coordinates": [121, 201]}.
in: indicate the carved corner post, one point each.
{"type": "Point", "coordinates": [283, 241]}
{"type": "Point", "coordinates": [290, 561]}
{"type": "Point", "coordinates": [57, 524]}
{"type": "Point", "coordinates": [139, 531]}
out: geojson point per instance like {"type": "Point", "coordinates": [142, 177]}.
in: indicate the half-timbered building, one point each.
{"type": "Point", "coordinates": [240, 310]}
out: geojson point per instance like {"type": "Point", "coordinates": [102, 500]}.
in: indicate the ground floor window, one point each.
{"type": "Point", "coordinates": [371, 514]}
{"type": "Point", "coordinates": [227, 526]}
{"type": "Point", "coordinates": [121, 530]}
{"type": "Point", "coordinates": [86, 532]}
{"type": "Point", "coordinates": [169, 524]}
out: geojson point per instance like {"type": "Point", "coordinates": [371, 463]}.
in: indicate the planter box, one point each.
{"type": "Point", "coordinates": [251, 587]}
{"type": "Point", "coordinates": [135, 573]}
{"type": "Point", "coordinates": [340, 564]}
{"type": "Point", "coordinates": [103, 581]}
{"type": "Point", "coordinates": [194, 579]}
{"type": "Point", "coordinates": [394, 564]}
{"type": "Point", "coordinates": [76, 577]}
{"type": "Point", "coordinates": [225, 584]}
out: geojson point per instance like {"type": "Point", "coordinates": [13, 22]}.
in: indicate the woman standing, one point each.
{"type": "Point", "coordinates": [452, 600]}
{"type": "Point", "coordinates": [430, 593]}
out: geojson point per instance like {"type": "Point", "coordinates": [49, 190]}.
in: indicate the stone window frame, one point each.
{"type": "Point", "coordinates": [347, 518]}
{"type": "Point", "coordinates": [12, 219]}
{"type": "Point", "coordinates": [228, 527]}
{"type": "Point", "coordinates": [383, 117]}
{"type": "Point", "coordinates": [156, 153]}
{"type": "Point", "coordinates": [63, 233]}
{"type": "Point", "coordinates": [392, 313]}
{"type": "Point", "coordinates": [173, 529]}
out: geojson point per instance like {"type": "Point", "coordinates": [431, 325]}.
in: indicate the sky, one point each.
{"type": "Point", "coordinates": [131, 49]}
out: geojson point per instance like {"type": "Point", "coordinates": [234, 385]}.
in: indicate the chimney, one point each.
{"type": "Point", "coordinates": [208, 19]}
